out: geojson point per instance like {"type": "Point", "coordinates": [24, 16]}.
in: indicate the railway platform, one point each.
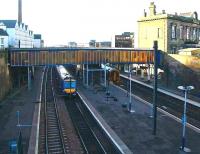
{"type": "Point", "coordinates": [135, 129]}
{"type": "Point", "coordinates": [161, 86]}
{"type": "Point", "coordinates": [24, 102]}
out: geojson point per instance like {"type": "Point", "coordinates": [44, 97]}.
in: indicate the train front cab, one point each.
{"type": "Point", "coordinates": [114, 76]}
{"type": "Point", "coordinates": [69, 87]}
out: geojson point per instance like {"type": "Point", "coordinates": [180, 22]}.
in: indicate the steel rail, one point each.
{"type": "Point", "coordinates": [55, 122]}
{"type": "Point", "coordinates": [83, 129]}
{"type": "Point", "coordinates": [190, 101]}
{"type": "Point", "coordinates": [57, 115]}
{"type": "Point", "coordinates": [174, 106]}
{"type": "Point", "coordinates": [45, 101]}
{"type": "Point", "coordinates": [91, 129]}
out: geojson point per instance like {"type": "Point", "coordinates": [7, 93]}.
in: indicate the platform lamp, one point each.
{"type": "Point", "coordinates": [108, 82]}
{"type": "Point", "coordinates": [130, 89]}
{"type": "Point", "coordinates": [185, 89]}
{"type": "Point", "coordinates": [105, 65]}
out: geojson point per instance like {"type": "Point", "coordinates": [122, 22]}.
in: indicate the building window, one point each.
{"type": "Point", "coordinates": [173, 49]}
{"type": "Point", "coordinates": [181, 32]}
{"type": "Point", "coordinates": [2, 40]}
{"type": "Point", "coordinates": [191, 34]}
{"type": "Point", "coordinates": [194, 37]}
{"type": "Point", "coordinates": [188, 33]}
{"type": "Point", "coordinates": [2, 46]}
{"type": "Point", "coordinates": [158, 32]}
{"type": "Point", "coordinates": [173, 30]}
{"type": "Point", "coordinates": [199, 34]}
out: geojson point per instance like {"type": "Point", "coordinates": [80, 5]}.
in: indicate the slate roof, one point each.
{"type": "Point", "coordinates": [3, 33]}
{"type": "Point", "coordinates": [9, 23]}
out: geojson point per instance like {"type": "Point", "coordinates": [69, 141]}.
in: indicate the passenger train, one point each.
{"type": "Point", "coordinates": [114, 74]}
{"type": "Point", "coordinates": [66, 81]}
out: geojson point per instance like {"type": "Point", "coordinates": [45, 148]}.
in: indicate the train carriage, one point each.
{"type": "Point", "coordinates": [114, 74]}
{"type": "Point", "coordinates": [67, 82]}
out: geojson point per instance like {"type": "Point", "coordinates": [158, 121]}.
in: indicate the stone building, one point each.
{"type": "Point", "coordinates": [125, 40]}
{"type": "Point", "coordinates": [102, 44]}
{"type": "Point", "coordinates": [19, 34]}
{"type": "Point", "coordinates": [3, 37]}
{"type": "Point", "coordinates": [172, 31]}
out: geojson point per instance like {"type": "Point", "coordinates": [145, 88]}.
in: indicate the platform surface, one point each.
{"type": "Point", "coordinates": [24, 102]}
{"type": "Point", "coordinates": [135, 129]}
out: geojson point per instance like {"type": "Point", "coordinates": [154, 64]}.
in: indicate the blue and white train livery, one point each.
{"type": "Point", "coordinates": [67, 82]}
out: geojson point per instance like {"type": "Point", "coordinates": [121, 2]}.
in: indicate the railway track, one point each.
{"type": "Point", "coordinates": [93, 139]}
{"type": "Point", "coordinates": [56, 136]}
{"type": "Point", "coordinates": [51, 131]}
{"type": "Point", "coordinates": [165, 102]}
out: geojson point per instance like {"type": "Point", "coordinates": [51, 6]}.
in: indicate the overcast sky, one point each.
{"type": "Point", "coordinates": [61, 21]}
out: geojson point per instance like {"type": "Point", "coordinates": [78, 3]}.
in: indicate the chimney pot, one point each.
{"type": "Point", "coordinates": [163, 12]}
{"type": "Point", "coordinates": [145, 13]}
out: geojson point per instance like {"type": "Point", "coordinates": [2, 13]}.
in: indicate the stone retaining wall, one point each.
{"type": "Point", "coordinates": [182, 70]}
{"type": "Point", "coordinates": [5, 80]}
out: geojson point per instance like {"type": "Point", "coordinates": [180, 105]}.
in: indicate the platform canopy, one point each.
{"type": "Point", "coordinates": [63, 56]}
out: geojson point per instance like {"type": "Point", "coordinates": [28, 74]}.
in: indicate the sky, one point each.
{"type": "Point", "coordinates": [62, 21]}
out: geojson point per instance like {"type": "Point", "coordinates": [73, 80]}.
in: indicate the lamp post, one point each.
{"type": "Point", "coordinates": [107, 64]}
{"type": "Point", "coordinates": [185, 89]}
{"type": "Point", "coordinates": [26, 62]}
{"type": "Point", "coordinates": [108, 82]}
{"type": "Point", "coordinates": [130, 103]}
{"type": "Point", "coordinates": [29, 79]}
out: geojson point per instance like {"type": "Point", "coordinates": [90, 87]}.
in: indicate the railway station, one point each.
{"type": "Point", "coordinates": [80, 102]}
{"type": "Point", "coordinates": [128, 132]}
{"type": "Point", "coordinates": [106, 97]}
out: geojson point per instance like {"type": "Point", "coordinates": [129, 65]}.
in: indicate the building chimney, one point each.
{"type": "Point", "coordinates": [20, 11]}
{"type": "Point", "coordinates": [152, 9]}
{"type": "Point", "coordinates": [145, 13]}
{"type": "Point", "coordinates": [163, 12]}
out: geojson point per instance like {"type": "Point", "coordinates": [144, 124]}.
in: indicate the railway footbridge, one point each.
{"type": "Point", "coordinates": [34, 57]}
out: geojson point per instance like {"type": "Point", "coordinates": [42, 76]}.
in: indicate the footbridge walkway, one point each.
{"type": "Point", "coordinates": [61, 56]}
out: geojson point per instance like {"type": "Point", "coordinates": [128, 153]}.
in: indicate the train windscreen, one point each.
{"type": "Point", "coordinates": [67, 84]}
